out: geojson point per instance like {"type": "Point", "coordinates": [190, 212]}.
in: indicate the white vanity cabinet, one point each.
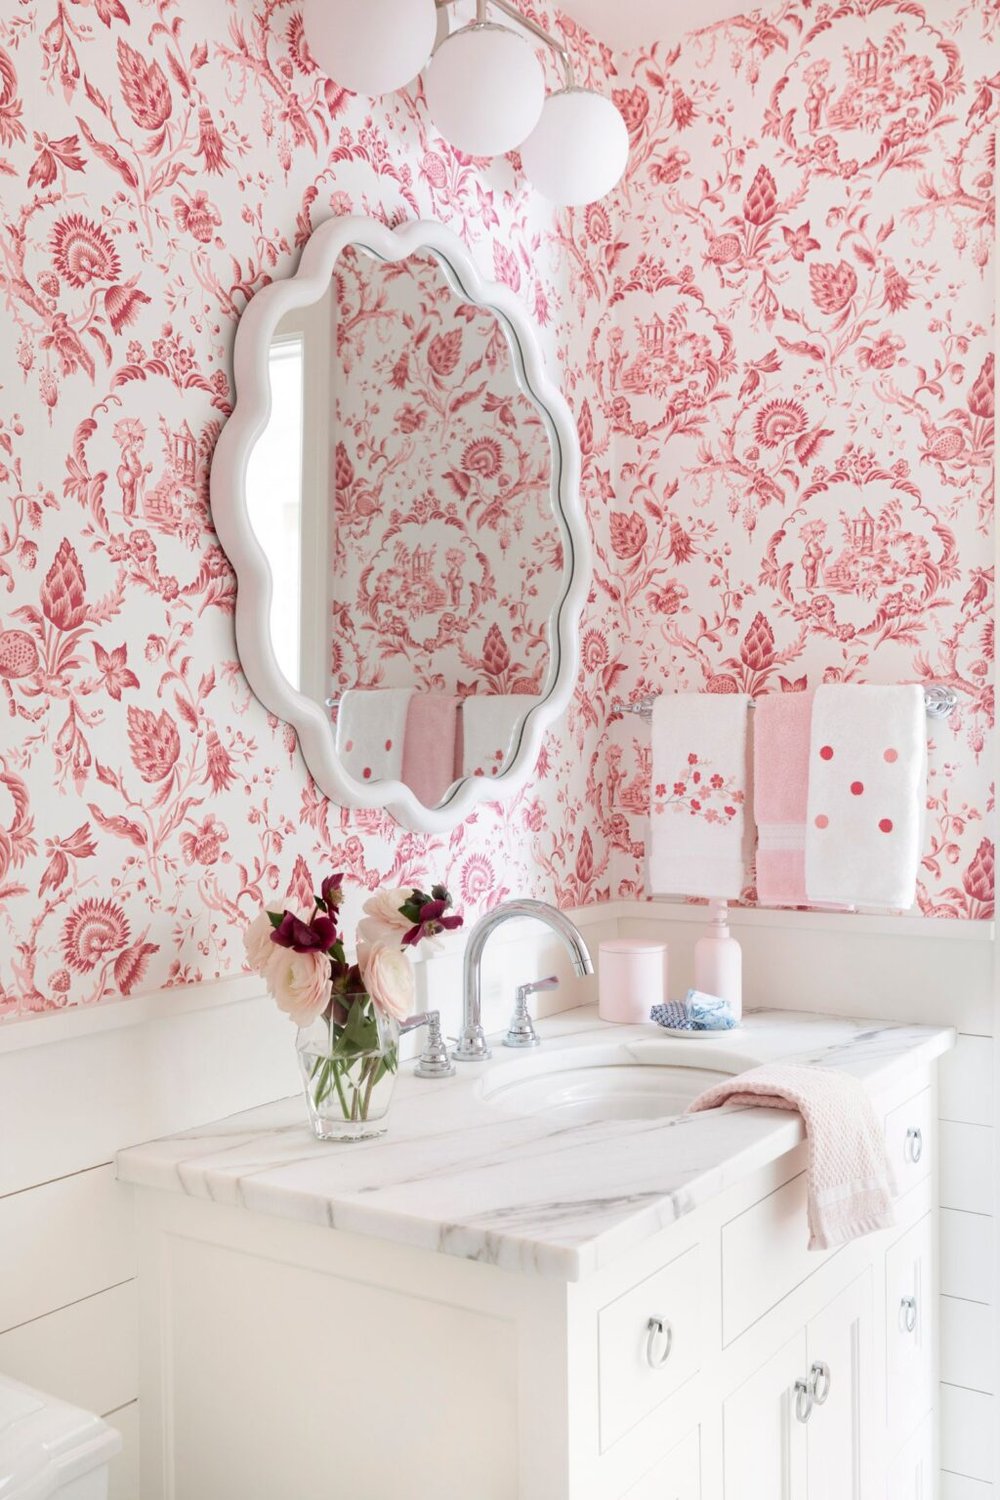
{"type": "Point", "coordinates": [796, 1428]}
{"type": "Point", "coordinates": [710, 1357]}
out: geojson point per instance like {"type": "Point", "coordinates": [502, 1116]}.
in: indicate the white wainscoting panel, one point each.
{"type": "Point", "coordinates": [967, 1255]}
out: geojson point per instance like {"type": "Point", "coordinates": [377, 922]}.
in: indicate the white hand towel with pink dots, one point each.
{"type": "Point", "coordinates": [867, 795]}
{"type": "Point", "coordinates": [371, 728]}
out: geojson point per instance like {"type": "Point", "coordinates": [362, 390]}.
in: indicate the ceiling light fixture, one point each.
{"type": "Point", "coordinates": [484, 84]}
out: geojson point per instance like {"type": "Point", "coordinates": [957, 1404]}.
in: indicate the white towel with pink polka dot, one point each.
{"type": "Point", "coordinates": [867, 795]}
{"type": "Point", "coordinates": [371, 728]}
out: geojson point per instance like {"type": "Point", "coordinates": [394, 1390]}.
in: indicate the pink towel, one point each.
{"type": "Point", "coordinates": [781, 794]}
{"type": "Point", "coordinates": [429, 746]}
{"type": "Point", "coordinates": [850, 1183]}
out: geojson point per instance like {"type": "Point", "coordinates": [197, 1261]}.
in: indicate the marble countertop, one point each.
{"type": "Point", "coordinates": [529, 1193]}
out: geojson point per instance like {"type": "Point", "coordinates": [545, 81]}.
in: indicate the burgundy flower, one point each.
{"type": "Point", "coordinates": [316, 936]}
{"type": "Point", "coordinates": [433, 919]}
{"type": "Point", "coordinates": [332, 891]}
{"type": "Point", "coordinates": [83, 252]}
{"type": "Point", "coordinates": [832, 287]}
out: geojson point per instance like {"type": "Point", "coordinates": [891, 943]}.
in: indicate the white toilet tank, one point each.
{"type": "Point", "coordinates": [49, 1448]}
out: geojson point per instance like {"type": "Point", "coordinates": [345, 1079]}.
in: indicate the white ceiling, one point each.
{"type": "Point", "coordinates": [635, 23]}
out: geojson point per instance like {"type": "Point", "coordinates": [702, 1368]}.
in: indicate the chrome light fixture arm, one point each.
{"type": "Point", "coordinates": [511, 11]}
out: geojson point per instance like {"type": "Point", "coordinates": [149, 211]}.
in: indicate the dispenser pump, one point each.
{"type": "Point", "coordinates": [718, 961]}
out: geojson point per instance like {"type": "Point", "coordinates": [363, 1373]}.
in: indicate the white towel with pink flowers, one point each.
{"type": "Point", "coordinates": [850, 1187]}
{"type": "Point", "coordinates": [700, 829]}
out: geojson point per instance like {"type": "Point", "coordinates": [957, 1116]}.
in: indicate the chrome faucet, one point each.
{"type": "Point", "coordinates": [472, 1044]}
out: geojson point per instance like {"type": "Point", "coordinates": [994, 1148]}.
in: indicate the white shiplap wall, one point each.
{"type": "Point", "coordinates": [74, 1087]}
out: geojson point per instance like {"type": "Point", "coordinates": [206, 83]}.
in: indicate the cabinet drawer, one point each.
{"type": "Point", "coordinates": [910, 1141]}
{"type": "Point", "coordinates": [639, 1366]}
{"type": "Point", "coordinates": [909, 1332]}
{"type": "Point", "coordinates": [676, 1477]}
{"type": "Point", "coordinates": [765, 1255]}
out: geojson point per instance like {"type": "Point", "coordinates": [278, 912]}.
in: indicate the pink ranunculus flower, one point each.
{"type": "Point", "coordinates": [300, 983]}
{"type": "Point", "coordinates": [388, 977]}
{"type": "Point", "coordinates": [383, 921]}
{"type": "Point", "coordinates": [260, 951]}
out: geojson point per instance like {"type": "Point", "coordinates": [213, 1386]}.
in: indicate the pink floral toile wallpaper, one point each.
{"type": "Point", "coordinates": [777, 337]}
{"type": "Point", "coordinates": [446, 557]}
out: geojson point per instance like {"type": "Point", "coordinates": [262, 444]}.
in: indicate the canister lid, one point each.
{"type": "Point", "coordinates": [632, 945]}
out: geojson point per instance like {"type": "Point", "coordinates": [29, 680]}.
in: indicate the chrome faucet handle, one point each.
{"type": "Point", "coordinates": [435, 1060]}
{"type": "Point", "coordinates": [521, 1032]}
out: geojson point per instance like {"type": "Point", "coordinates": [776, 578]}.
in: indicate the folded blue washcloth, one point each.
{"type": "Point", "coordinates": [696, 1012]}
{"type": "Point", "coordinates": [673, 1015]}
{"type": "Point", "coordinates": [709, 1012]}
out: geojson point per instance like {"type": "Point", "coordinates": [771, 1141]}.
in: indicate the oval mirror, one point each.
{"type": "Point", "coordinates": [397, 489]}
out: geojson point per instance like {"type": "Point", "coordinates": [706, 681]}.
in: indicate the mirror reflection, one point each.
{"type": "Point", "coordinates": [403, 494]}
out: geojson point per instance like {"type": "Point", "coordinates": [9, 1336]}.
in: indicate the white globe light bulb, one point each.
{"type": "Point", "coordinates": [485, 89]}
{"type": "Point", "coordinates": [578, 151]}
{"type": "Point", "coordinates": [370, 46]}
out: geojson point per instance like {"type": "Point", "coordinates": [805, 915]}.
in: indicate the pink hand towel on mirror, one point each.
{"type": "Point", "coordinates": [781, 725]}
{"type": "Point", "coordinates": [849, 1180]}
{"type": "Point", "coordinates": [429, 746]}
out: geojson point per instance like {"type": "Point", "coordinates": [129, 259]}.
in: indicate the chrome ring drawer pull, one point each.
{"type": "Point", "coordinates": [819, 1383]}
{"type": "Point", "coordinates": [908, 1308]}
{"type": "Point", "coordinates": [656, 1328]}
{"type": "Point", "coordinates": [914, 1144]}
{"type": "Point", "coordinates": [804, 1400]}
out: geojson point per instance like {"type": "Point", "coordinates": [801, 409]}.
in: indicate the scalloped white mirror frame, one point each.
{"type": "Point", "coordinates": [252, 409]}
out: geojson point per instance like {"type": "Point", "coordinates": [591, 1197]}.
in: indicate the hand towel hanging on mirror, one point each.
{"type": "Point", "coordinates": [701, 831]}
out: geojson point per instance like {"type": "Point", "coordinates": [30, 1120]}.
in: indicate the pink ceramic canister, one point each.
{"type": "Point", "coordinates": [632, 977]}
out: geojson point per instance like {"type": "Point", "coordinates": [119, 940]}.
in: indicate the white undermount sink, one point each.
{"type": "Point", "coordinates": [579, 1085]}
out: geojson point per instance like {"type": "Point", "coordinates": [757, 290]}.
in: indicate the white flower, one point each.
{"type": "Point", "coordinates": [300, 983]}
{"type": "Point", "coordinates": [388, 977]}
{"type": "Point", "coordinates": [260, 950]}
{"type": "Point", "coordinates": [383, 921]}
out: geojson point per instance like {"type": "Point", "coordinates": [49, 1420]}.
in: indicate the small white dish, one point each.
{"type": "Point", "coordinates": [687, 1035]}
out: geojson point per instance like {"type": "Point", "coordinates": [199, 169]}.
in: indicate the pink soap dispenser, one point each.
{"type": "Point", "coordinates": [718, 962]}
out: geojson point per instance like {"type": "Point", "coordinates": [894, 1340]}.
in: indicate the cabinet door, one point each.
{"type": "Point", "coordinates": [909, 1333]}
{"type": "Point", "coordinates": [764, 1442]}
{"type": "Point", "coordinates": [911, 1474]}
{"type": "Point", "coordinates": [839, 1354]}
{"type": "Point", "coordinates": [676, 1477]}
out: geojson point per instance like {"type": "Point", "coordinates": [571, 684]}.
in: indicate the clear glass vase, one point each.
{"type": "Point", "coordinates": [349, 1060]}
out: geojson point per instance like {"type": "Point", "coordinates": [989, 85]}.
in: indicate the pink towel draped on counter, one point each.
{"type": "Point", "coordinates": [850, 1187]}
{"type": "Point", "coordinates": [429, 746]}
{"type": "Point", "coordinates": [781, 724]}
